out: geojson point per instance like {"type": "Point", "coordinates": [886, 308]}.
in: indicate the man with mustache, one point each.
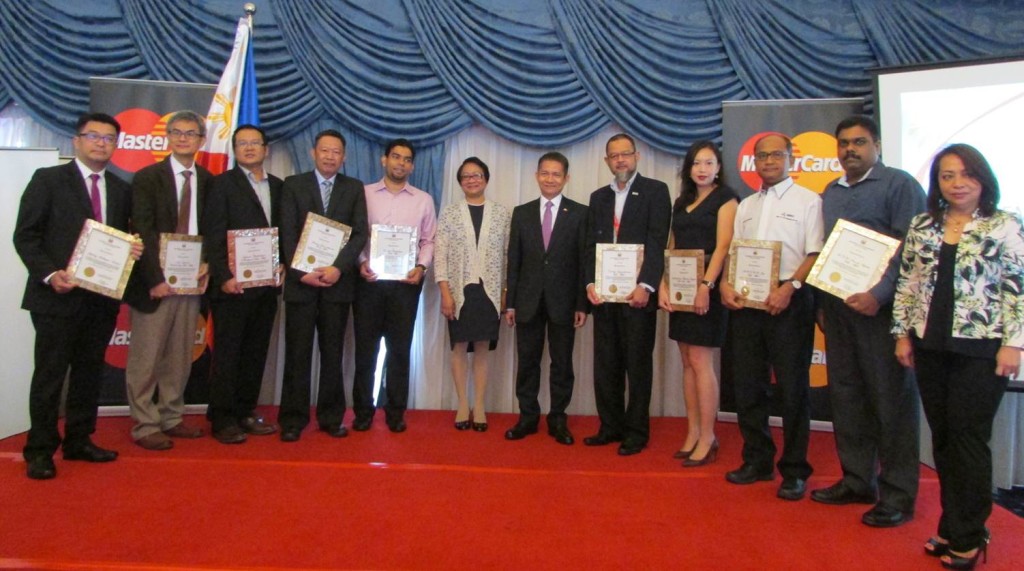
{"type": "Point", "coordinates": [874, 399]}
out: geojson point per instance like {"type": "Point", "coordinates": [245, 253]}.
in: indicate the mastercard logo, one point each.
{"type": "Point", "coordinates": [117, 350]}
{"type": "Point", "coordinates": [143, 139]}
{"type": "Point", "coordinates": [815, 163]}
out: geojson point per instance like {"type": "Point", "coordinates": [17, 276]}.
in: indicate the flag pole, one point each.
{"type": "Point", "coordinates": [250, 9]}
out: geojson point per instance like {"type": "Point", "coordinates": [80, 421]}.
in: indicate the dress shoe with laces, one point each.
{"type": "Point", "coordinates": [601, 439]}
{"type": "Point", "coordinates": [747, 474]}
{"type": "Point", "coordinates": [155, 441]}
{"type": "Point", "coordinates": [257, 426]}
{"type": "Point", "coordinates": [560, 432]}
{"type": "Point", "coordinates": [230, 435]}
{"type": "Point", "coordinates": [839, 494]}
{"type": "Point", "coordinates": [630, 448]}
{"type": "Point", "coordinates": [335, 430]}
{"type": "Point", "coordinates": [885, 516]}
{"type": "Point", "coordinates": [290, 434]}
{"type": "Point", "coordinates": [89, 452]}
{"type": "Point", "coordinates": [520, 431]}
{"type": "Point", "coordinates": [41, 468]}
{"type": "Point", "coordinates": [182, 430]}
{"type": "Point", "coordinates": [792, 489]}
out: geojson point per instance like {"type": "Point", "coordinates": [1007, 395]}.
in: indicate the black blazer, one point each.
{"type": "Point", "coordinates": [301, 195]}
{"type": "Point", "coordinates": [53, 210]}
{"type": "Point", "coordinates": [645, 220]}
{"type": "Point", "coordinates": [555, 275]}
{"type": "Point", "coordinates": [232, 204]}
{"type": "Point", "coordinates": [155, 211]}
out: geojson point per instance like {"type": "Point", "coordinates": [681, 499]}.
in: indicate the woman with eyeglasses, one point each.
{"type": "Point", "coordinates": [958, 318]}
{"type": "Point", "coordinates": [469, 266]}
{"type": "Point", "coordinates": [702, 219]}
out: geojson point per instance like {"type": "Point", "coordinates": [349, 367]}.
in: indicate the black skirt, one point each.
{"type": "Point", "coordinates": [478, 320]}
{"type": "Point", "coordinates": [706, 330]}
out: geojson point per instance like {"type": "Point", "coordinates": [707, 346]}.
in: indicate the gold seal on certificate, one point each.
{"type": "Point", "coordinates": [253, 256]}
{"type": "Point", "coordinates": [102, 259]}
{"type": "Point", "coordinates": [684, 269]}
{"type": "Point", "coordinates": [320, 243]}
{"type": "Point", "coordinates": [393, 250]}
{"type": "Point", "coordinates": [181, 259]}
{"type": "Point", "coordinates": [617, 267]}
{"type": "Point", "coordinates": [754, 270]}
{"type": "Point", "coordinates": [853, 260]}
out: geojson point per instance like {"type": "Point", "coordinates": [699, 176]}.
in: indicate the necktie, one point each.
{"type": "Point", "coordinates": [94, 194]}
{"type": "Point", "coordinates": [185, 203]}
{"type": "Point", "coordinates": [545, 225]}
{"type": "Point", "coordinates": [325, 192]}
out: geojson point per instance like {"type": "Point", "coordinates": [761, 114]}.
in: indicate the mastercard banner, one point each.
{"type": "Point", "coordinates": [142, 107]}
{"type": "Point", "coordinates": [809, 123]}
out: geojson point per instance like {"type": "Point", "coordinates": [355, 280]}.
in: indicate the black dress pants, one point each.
{"type": "Point", "coordinates": [242, 331]}
{"type": "Point", "coordinates": [623, 347]}
{"type": "Point", "coordinates": [327, 319]}
{"type": "Point", "coordinates": [530, 350]}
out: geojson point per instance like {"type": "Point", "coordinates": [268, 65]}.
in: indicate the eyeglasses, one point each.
{"type": "Point", "coordinates": [476, 176]}
{"type": "Point", "coordinates": [777, 155]}
{"type": "Point", "coordinates": [96, 137]}
{"type": "Point", "coordinates": [617, 156]}
{"type": "Point", "coordinates": [247, 144]}
{"type": "Point", "coordinates": [178, 134]}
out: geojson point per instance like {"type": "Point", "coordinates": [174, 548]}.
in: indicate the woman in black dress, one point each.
{"type": "Point", "coordinates": [702, 219]}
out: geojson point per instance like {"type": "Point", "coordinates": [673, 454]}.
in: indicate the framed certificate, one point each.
{"type": "Point", "coordinates": [102, 259]}
{"type": "Point", "coordinates": [617, 267]}
{"type": "Point", "coordinates": [320, 243]}
{"type": "Point", "coordinates": [684, 269]}
{"type": "Point", "coordinates": [181, 256]}
{"type": "Point", "coordinates": [754, 270]}
{"type": "Point", "coordinates": [253, 256]}
{"type": "Point", "coordinates": [853, 260]}
{"type": "Point", "coordinates": [393, 250]}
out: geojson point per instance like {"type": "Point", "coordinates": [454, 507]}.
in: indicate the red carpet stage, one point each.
{"type": "Point", "coordinates": [435, 498]}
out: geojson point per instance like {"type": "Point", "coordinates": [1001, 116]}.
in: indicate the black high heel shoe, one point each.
{"type": "Point", "coordinates": [935, 548]}
{"type": "Point", "coordinates": [950, 561]}
{"type": "Point", "coordinates": [684, 454]}
{"type": "Point", "coordinates": [462, 425]}
{"type": "Point", "coordinates": [479, 426]}
{"type": "Point", "coordinates": [708, 458]}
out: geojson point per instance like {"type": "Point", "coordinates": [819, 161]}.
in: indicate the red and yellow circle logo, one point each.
{"type": "Point", "coordinates": [117, 349]}
{"type": "Point", "coordinates": [814, 161]}
{"type": "Point", "coordinates": [143, 139]}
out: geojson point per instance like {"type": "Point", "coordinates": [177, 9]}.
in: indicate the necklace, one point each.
{"type": "Point", "coordinates": [955, 225]}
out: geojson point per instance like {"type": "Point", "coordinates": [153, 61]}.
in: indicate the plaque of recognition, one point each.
{"type": "Point", "coordinates": [684, 269]}
{"type": "Point", "coordinates": [853, 260]}
{"type": "Point", "coordinates": [617, 267]}
{"type": "Point", "coordinates": [754, 270]}
{"type": "Point", "coordinates": [181, 257]}
{"type": "Point", "coordinates": [320, 243]}
{"type": "Point", "coordinates": [253, 256]}
{"type": "Point", "coordinates": [102, 259]}
{"type": "Point", "coordinates": [393, 250]}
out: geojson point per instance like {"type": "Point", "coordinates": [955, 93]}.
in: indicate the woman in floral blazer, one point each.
{"type": "Point", "coordinates": [958, 318]}
{"type": "Point", "coordinates": [469, 266]}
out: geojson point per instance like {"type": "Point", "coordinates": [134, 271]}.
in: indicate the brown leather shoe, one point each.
{"type": "Point", "coordinates": [182, 430]}
{"type": "Point", "coordinates": [155, 441]}
{"type": "Point", "coordinates": [257, 426]}
{"type": "Point", "coordinates": [230, 435]}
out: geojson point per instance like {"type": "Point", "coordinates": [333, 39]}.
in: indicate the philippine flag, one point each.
{"type": "Point", "coordinates": [235, 103]}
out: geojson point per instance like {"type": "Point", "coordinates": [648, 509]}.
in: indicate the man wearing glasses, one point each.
{"type": "Point", "coordinates": [73, 326]}
{"type": "Point", "coordinates": [779, 339]}
{"type": "Point", "coordinates": [245, 197]}
{"type": "Point", "coordinates": [168, 197]}
{"type": "Point", "coordinates": [632, 209]}
{"type": "Point", "coordinates": [387, 304]}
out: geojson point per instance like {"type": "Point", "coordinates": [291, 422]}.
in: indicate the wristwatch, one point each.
{"type": "Point", "coordinates": [797, 284]}
{"type": "Point", "coordinates": [709, 283]}
{"type": "Point", "coordinates": [421, 266]}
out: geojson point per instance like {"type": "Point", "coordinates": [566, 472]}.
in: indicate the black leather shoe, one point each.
{"type": "Point", "coordinates": [885, 516]}
{"type": "Point", "coordinates": [792, 489]}
{"type": "Point", "coordinates": [560, 432]}
{"type": "Point", "coordinates": [520, 431]}
{"type": "Point", "coordinates": [290, 434]}
{"type": "Point", "coordinates": [362, 423]}
{"type": "Point", "coordinates": [41, 468]}
{"type": "Point", "coordinates": [89, 452]}
{"type": "Point", "coordinates": [631, 448]}
{"type": "Point", "coordinates": [839, 494]}
{"type": "Point", "coordinates": [398, 425]}
{"type": "Point", "coordinates": [335, 430]}
{"type": "Point", "coordinates": [257, 426]}
{"type": "Point", "coordinates": [601, 439]}
{"type": "Point", "coordinates": [747, 474]}
{"type": "Point", "coordinates": [230, 435]}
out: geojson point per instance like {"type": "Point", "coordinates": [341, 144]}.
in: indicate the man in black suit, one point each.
{"type": "Point", "coordinates": [244, 197]}
{"type": "Point", "coordinates": [545, 293]}
{"type": "Point", "coordinates": [167, 197]}
{"type": "Point", "coordinates": [631, 210]}
{"type": "Point", "coordinates": [319, 300]}
{"type": "Point", "coordinates": [73, 326]}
